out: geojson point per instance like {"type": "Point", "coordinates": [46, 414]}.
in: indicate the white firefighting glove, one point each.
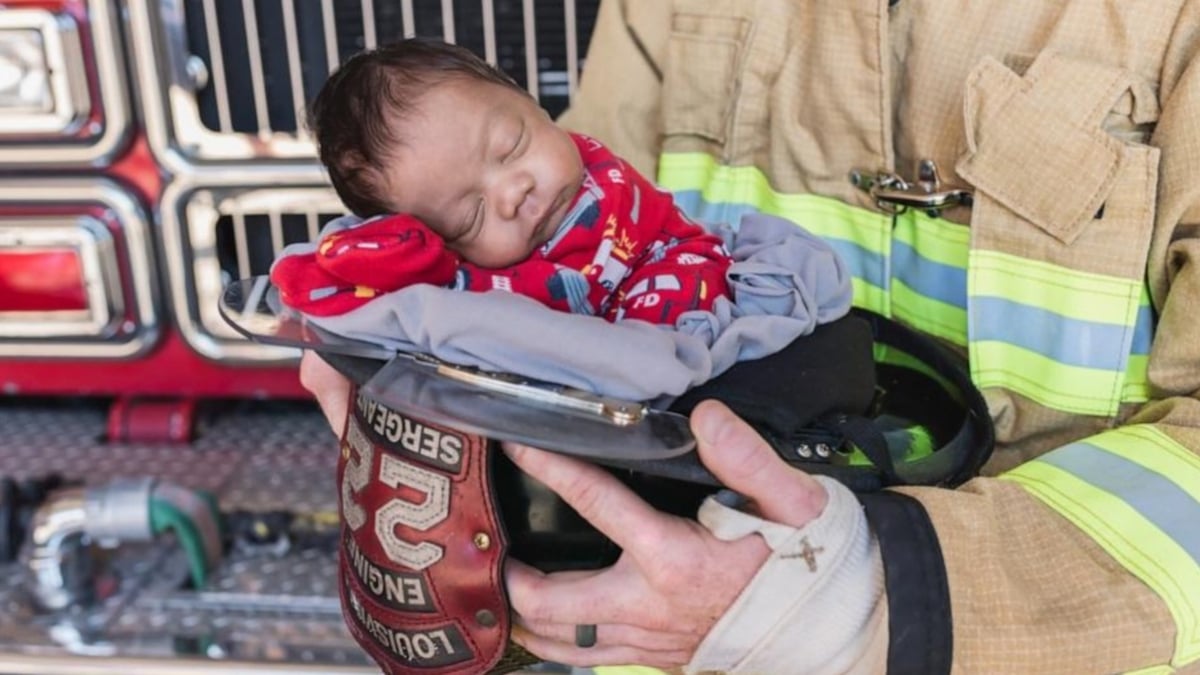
{"type": "Point", "coordinates": [816, 606]}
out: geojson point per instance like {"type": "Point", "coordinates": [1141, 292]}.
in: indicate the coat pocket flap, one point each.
{"type": "Point", "coordinates": [1029, 148]}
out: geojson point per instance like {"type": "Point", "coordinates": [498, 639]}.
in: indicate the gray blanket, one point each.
{"type": "Point", "coordinates": [785, 281]}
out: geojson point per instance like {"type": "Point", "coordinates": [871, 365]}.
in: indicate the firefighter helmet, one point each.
{"type": "Point", "coordinates": [431, 512]}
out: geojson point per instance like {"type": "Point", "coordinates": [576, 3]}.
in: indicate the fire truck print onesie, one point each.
{"type": "Point", "coordinates": [623, 251]}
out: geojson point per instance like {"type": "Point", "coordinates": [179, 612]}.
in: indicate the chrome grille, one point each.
{"type": "Point", "coordinates": [247, 243]}
{"type": "Point", "coordinates": [265, 60]}
{"type": "Point", "coordinates": [216, 234]}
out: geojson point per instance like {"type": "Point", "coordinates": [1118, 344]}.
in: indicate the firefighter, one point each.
{"type": "Point", "coordinates": [1020, 180]}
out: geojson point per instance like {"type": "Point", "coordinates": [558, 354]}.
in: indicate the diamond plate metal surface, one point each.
{"type": "Point", "coordinates": [253, 456]}
{"type": "Point", "coordinates": [261, 605]}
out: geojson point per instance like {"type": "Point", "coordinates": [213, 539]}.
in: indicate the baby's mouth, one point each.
{"type": "Point", "coordinates": [547, 226]}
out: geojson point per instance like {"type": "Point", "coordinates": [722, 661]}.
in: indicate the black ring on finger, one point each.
{"type": "Point", "coordinates": [585, 635]}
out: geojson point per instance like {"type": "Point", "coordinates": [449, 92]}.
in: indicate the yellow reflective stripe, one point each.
{"type": "Point", "coordinates": [1152, 670]}
{"type": "Point", "coordinates": [937, 239]}
{"type": "Point", "coordinates": [869, 296]}
{"type": "Point", "coordinates": [861, 237]}
{"type": "Point", "coordinates": [1077, 389]}
{"type": "Point", "coordinates": [1079, 322]}
{"type": "Point", "coordinates": [1136, 492]}
{"type": "Point", "coordinates": [1130, 539]}
{"type": "Point", "coordinates": [929, 279]}
{"type": "Point", "coordinates": [720, 184]}
{"type": "Point", "coordinates": [1059, 336]}
{"type": "Point", "coordinates": [1152, 449]}
{"type": "Point", "coordinates": [1067, 292]}
{"type": "Point", "coordinates": [929, 315]}
{"type": "Point", "coordinates": [1137, 384]}
{"type": "Point", "coordinates": [832, 219]}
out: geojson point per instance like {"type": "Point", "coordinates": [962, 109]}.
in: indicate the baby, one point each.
{"type": "Point", "coordinates": [491, 194]}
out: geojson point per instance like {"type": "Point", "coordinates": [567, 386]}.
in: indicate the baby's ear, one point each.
{"type": "Point", "coordinates": [362, 185]}
{"type": "Point", "coordinates": [354, 163]}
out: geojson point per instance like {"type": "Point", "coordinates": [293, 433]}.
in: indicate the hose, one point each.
{"type": "Point", "coordinates": [163, 517]}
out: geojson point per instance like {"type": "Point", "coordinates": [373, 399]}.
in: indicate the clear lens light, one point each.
{"type": "Point", "coordinates": [24, 74]}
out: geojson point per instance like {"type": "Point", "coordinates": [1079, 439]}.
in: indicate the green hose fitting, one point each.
{"type": "Point", "coordinates": [163, 517]}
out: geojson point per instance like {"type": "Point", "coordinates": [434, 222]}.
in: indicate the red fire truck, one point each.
{"type": "Point", "coordinates": [151, 151]}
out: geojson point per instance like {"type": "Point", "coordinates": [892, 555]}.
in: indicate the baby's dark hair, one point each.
{"type": "Point", "coordinates": [355, 115]}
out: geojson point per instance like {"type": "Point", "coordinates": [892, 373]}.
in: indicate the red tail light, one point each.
{"type": "Point", "coordinates": [75, 266]}
{"type": "Point", "coordinates": [42, 281]}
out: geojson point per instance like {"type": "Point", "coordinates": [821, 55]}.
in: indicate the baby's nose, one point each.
{"type": "Point", "coordinates": [513, 192]}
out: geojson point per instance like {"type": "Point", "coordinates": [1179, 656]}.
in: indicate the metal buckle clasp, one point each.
{"type": "Point", "coordinates": [895, 195]}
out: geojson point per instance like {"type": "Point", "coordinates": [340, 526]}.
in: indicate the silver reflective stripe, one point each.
{"type": "Point", "coordinates": [1154, 496]}
{"type": "Point", "coordinates": [1061, 337]}
{"type": "Point", "coordinates": [1135, 491]}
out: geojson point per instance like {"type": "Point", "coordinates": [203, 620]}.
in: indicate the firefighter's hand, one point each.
{"type": "Point", "coordinates": [674, 579]}
{"type": "Point", "coordinates": [331, 389]}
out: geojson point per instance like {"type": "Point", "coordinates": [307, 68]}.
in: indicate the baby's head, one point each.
{"type": "Point", "coordinates": [428, 128]}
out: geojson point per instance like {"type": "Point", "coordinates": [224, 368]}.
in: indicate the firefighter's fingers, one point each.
{"type": "Point", "coordinates": [616, 594]}
{"type": "Point", "coordinates": [745, 463]}
{"type": "Point", "coordinates": [328, 386]}
{"type": "Point", "coordinates": [611, 635]}
{"type": "Point", "coordinates": [600, 655]}
{"type": "Point", "coordinates": [551, 649]}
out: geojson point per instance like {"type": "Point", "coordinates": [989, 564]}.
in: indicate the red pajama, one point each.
{"type": "Point", "coordinates": [624, 251]}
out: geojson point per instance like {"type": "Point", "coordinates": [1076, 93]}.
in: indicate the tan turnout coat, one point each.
{"type": "Point", "coordinates": [1016, 99]}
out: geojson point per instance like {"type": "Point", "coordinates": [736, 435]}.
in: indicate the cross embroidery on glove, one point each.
{"type": "Point", "coordinates": [808, 552]}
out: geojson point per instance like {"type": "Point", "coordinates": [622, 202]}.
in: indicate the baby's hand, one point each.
{"type": "Point", "coordinates": [353, 266]}
{"type": "Point", "coordinates": [388, 253]}
{"type": "Point", "coordinates": [304, 286]}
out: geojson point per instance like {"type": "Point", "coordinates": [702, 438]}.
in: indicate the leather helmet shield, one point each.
{"type": "Point", "coordinates": [422, 546]}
